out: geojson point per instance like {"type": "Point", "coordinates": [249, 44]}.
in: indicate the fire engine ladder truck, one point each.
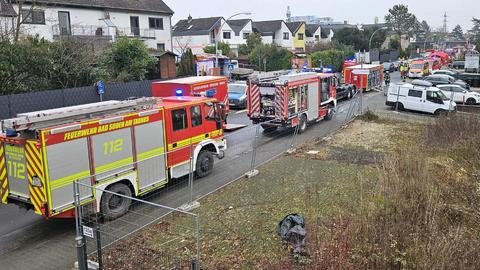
{"type": "Point", "coordinates": [40, 119]}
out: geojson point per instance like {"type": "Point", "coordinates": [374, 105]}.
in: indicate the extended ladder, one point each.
{"type": "Point", "coordinates": [46, 118]}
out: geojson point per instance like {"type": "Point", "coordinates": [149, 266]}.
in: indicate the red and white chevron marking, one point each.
{"type": "Point", "coordinates": [254, 100]}
{"type": "Point", "coordinates": [279, 101]}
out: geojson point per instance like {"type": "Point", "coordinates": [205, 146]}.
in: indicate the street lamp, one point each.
{"type": "Point", "coordinates": [370, 41]}
{"type": "Point", "coordinates": [221, 26]}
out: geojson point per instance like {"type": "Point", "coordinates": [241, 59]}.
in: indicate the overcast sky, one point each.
{"type": "Point", "coordinates": [354, 11]}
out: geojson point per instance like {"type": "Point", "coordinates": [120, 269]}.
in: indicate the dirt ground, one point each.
{"type": "Point", "coordinates": [323, 180]}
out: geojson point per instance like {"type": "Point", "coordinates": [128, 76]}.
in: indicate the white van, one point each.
{"type": "Point", "coordinates": [419, 96]}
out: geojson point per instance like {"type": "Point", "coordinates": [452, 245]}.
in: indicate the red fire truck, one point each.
{"type": "Point", "coordinates": [210, 86]}
{"type": "Point", "coordinates": [129, 147]}
{"type": "Point", "coordinates": [291, 100]}
{"type": "Point", "coordinates": [364, 77]}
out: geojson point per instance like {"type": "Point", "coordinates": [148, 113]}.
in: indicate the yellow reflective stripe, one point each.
{"type": "Point", "coordinates": [114, 165]}
{"type": "Point", "coordinates": [195, 139]}
{"type": "Point", "coordinates": [2, 162]}
{"type": "Point", "coordinates": [69, 179]}
{"type": "Point", "coordinates": [150, 154]}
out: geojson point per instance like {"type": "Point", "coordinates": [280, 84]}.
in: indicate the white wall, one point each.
{"type": "Point", "coordinates": [288, 44]}
{"type": "Point", "coordinates": [196, 43]}
{"type": "Point", "coordinates": [267, 39]}
{"type": "Point", "coordinates": [86, 21]}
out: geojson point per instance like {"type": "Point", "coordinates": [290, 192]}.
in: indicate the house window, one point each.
{"type": "Point", "coordinates": [286, 36]}
{"type": "Point", "coordinates": [226, 35]}
{"type": "Point", "coordinates": [155, 23]}
{"type": "Point", "coordinates": [196, 116]}
{"type": "Point", "coordinates": [179, 119]}
{"type": "Point", "coordinates": [245, 35]}
{"type": "Point", "coordinates": [33, 16]}
{"type": "Point", "coordinates": [161, 47]}
{"type": "Point", "coordinates": [299, 49]}
{"type": "Point", "coordinates": [317, 37]}
{"type": "Point", "coordinates": [300, 36]}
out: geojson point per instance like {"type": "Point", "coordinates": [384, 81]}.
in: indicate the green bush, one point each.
{"type": "Point", "coordinates": [277, 58]}
{"type": "Point", "coordinates": [127, 60]}
{"type": "Point", "coordinates": [334, 58]}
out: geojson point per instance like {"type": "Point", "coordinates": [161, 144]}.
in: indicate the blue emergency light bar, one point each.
{"type": "Point", "coordinates": [179, 92]}
{"type": "Point", "coordinates": [210, 93]}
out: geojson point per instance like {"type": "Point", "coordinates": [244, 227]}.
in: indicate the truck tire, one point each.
{"type": "Point", "coordinates": [204, 164]}
{"type": "Point", "coordinates": [303, 124]}
{"type": "Point", "coordinates": [113, 206]}
{"type": "Point", "coordinates": [400, 106]}
{"type": "Point", "coordinates": [349, 95]}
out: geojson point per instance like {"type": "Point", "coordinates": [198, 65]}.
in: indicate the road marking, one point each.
{"type": "Point", "coordinates": [242, 111]}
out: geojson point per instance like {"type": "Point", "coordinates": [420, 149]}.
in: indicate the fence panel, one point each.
{"type": "Point", "coordinates": [80, 95]}
{"type": "Point", "coordinates": [35, 101]}
{"type": "Point", "coordinates": [5, 107]}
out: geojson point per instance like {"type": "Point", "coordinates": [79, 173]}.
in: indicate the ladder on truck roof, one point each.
{"type": "Point", "coordinates": [47, 118]}
{"type": "Point", "coordinates": [268, 76]}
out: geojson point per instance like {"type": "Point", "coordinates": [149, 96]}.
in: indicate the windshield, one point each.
{"type": "Point", "coordinates": [416, 66]}
{"type": "Point", "coordinates": [237, 89]}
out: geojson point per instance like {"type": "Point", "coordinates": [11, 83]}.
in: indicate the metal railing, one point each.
{"type": "Point", "coordinates": [102, 31]}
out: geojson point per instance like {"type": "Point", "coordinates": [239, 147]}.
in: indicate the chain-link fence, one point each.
{"type": "Point", "coordinates": [118, 230]}
{"type": "Point", "coordinates": [154, 230]}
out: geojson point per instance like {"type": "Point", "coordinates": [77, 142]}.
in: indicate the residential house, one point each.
{"type": "Point", "coordinates": [275, 32]}
{"type": "Point", "coordinates": [242, 28]}
{"type": "Point", "coordinates": [318, 34]}
{"type": "Point", "coordinates": [299, 36]}
{"type": "Point", "coordinates": [148, 20]}
{"type": "Point", "coordinates": [312, 33]}
{"type": "Point", "coordinates": [326, 35]}
{"type": "Point", "coordinates": [198, 33]}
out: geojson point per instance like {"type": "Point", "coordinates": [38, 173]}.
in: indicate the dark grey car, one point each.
{"type": "Point", "coordinates": [445, 79]}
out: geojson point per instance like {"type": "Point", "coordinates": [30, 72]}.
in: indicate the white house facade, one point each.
{"type": "Point", "coordinates": [52, 19]}
{"type": "Point", "coordinates": [275, 32]}
{"type": "Point", "coordinates": [199, 33]}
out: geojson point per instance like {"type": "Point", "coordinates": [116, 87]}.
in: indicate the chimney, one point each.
{"type": "Point", "coordinates": [189, 18]}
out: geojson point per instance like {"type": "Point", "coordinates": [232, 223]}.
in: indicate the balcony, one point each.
{"type": "Point", "coordinates": [102, 32]}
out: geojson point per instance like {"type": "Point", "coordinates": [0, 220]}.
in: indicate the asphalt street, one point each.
{"type": "Point", "coordinates": [28, 241]}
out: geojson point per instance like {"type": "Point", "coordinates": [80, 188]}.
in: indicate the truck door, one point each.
{"type": "Point", "coordinates": [15, 163]}
{"type": "Point", "coordinates": [180, 139]}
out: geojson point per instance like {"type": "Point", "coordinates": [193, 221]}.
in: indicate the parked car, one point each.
{"type": "Point", "coordinates": [345, 91]}
{"type": "Point", "coordinates": [460, 94]}
{"type": "Point", "coordinates": [388, 66]}
{"type": "Point", "coordinates": [419, 96]}
{"type": "Point", "coordinates": [455, 74]}
{"type": "Point", "coordinates": [237, 95]}
{"type": "Point", "coordinates": [458, 64]}
{"type": "Point", "coordinates": [445, 79]}
{"type": "Point", "coordinates": [396, 64]}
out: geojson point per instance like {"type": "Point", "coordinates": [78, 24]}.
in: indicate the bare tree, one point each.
{"type": "Point", "coordinates": [24, 14]}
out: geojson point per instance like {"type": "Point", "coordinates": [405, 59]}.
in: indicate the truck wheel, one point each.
{"type": "Point", "coordinates": [349, 95]}
{"type": "Point", "coordinates": [400, 106]}
{"type": "Point", "coordinates": [113, 206]}
{"type": "Point", "coordinates": [471, 101]}
{"type": "Point", "coordinates": [303, 124]}
{"type": "Point", "coordinates": [204, 164]}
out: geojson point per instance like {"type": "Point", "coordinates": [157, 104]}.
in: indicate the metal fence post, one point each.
{"type": "Point", "coordinates": [79, 239]}
{"type": "Point", "coordinates": [190, 176]}
{"type": "Point", "coordinates": [196, 263]}
{"type": "Point", "coordinates": [291, 148]}
{"type": "Point", "coordinates": [98, 242]}
{"type": "Point", "coordinates": [253, 172]}
{"type": "Point", "coordinates": [191, 204]}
